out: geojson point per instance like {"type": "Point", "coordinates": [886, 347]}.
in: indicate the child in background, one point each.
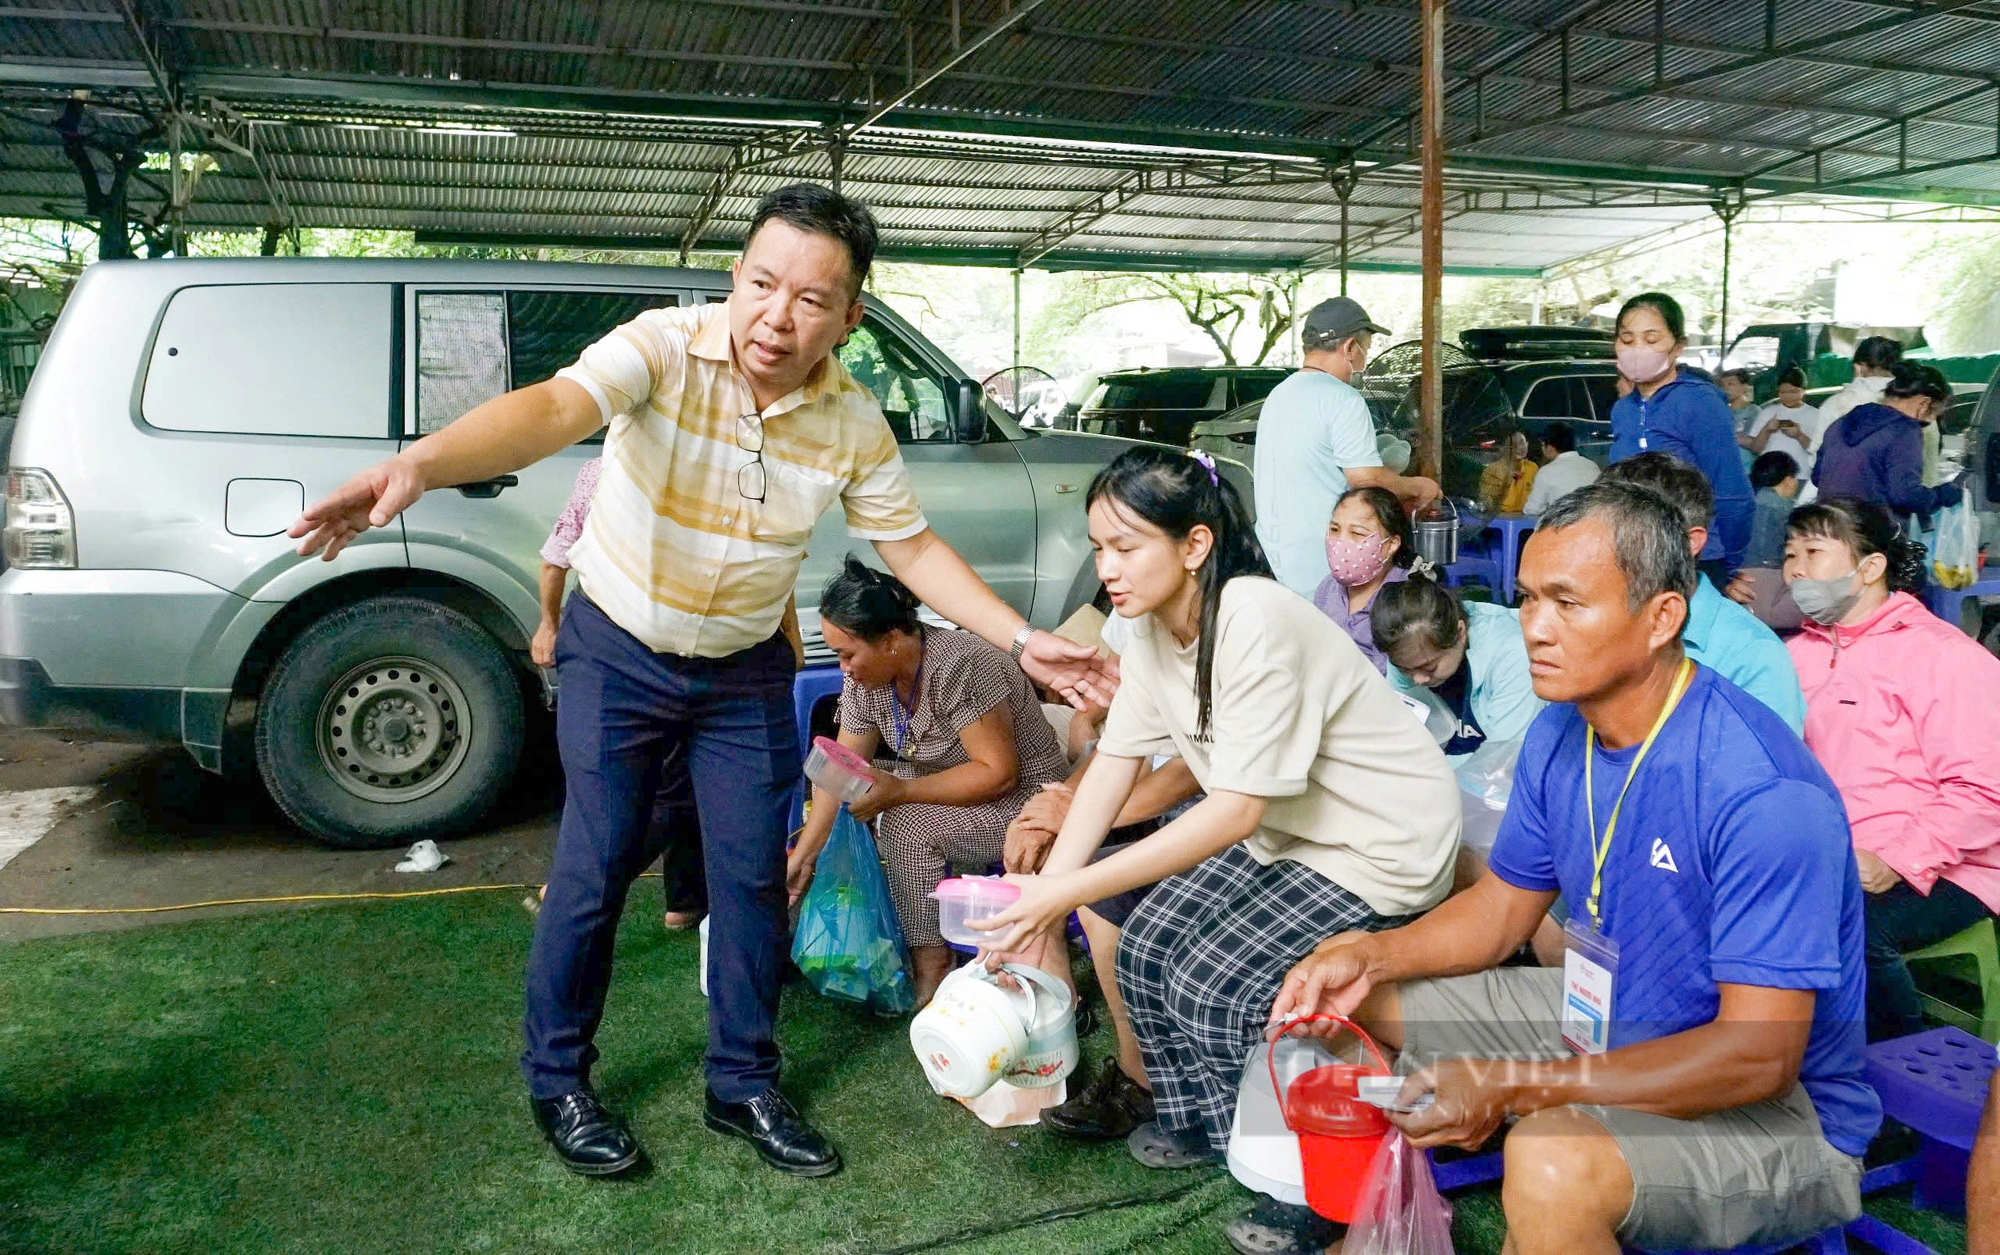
{"type": "Point", "coordinates": [1775, 476]}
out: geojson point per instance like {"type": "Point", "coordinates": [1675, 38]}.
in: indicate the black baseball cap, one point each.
{"type": "Point", "coordinates": [1331, 321]}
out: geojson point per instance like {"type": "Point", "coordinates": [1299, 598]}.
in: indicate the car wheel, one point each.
{"type": "Point", "coordinates": [391, 719]}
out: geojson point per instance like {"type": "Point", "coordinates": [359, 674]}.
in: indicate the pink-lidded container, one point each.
{"type": "Point", "coordinates": [838, 770]}
{"type": "Point", "coordinates": [972, 897]}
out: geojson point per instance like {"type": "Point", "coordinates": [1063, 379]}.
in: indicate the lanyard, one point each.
{"type": "Point", "coordinates": [905, 718]}
{"type": "Point", "coordinates": [1599, 851]}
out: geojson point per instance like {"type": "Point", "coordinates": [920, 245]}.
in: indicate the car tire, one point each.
{"type": "Point", "coordinates": [391, 719]}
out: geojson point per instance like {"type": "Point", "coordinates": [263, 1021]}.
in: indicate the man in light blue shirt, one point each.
{"type": "Point", "coordinates": [1720, 634]}
{"type": "Point", "coordinates": [1315, 440]}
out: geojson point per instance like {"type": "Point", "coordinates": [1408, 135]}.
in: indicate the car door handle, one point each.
{"type": "Point", "coordinates": [487, 489]}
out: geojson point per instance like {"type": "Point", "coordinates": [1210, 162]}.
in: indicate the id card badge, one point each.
{"type": "Point", "coordinates": [1590, 968]}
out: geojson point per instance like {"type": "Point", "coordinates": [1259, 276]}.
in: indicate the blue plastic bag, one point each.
{"type": "Point", "coordinates": [848, 942]}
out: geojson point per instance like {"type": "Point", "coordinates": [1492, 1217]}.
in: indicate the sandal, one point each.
{"type": "Point", "coordinates": [1157, 1147]}
{"type": "Point", "coordinates": [1275, 1228]}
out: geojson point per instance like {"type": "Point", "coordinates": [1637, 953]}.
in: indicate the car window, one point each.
{"type": "Point", "coordinates": [1579, 398]}
{"type": "Point", "coordinates": [549, 330]}
{"type": "Point", "coordinates": [473, 346]}
{"type": "Point", "coordinates": [1153, 392]}
{"type": "Point", "coordinates": [1255, 387]}
{"type": "Point", "coordinates": [1549, 398]}
{"type": "Point", "coordinates": [1752, 353]}
{"type": "Point", "coordinates": [461, 354]}
{"type": "Point", "coordinates": [911, 395]}
{"type": "Point", "coordinates": [1603, 391]}
{"type": "Point", "coordinates": [274, 359]}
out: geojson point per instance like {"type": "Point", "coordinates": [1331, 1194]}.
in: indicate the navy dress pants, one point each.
{"type": "Point", "coordinates": [622, 710]}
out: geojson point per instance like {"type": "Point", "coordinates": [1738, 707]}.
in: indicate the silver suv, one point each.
{"type": "Point", "coordinates": [184, 412]}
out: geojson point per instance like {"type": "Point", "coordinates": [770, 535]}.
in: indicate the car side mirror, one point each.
{"type": "Point", "coordinates": [968, 416]}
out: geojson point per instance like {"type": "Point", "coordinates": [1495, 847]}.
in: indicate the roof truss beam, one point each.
{"type": "Point", "coordinates": [1902, 18]}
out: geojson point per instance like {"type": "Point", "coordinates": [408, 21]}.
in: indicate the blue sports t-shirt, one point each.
{"type": "Point", "coordinates": [1731, 863]}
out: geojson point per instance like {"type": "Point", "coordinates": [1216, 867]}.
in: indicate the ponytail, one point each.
{"type": "Point", "coordinates": [1908, 566]}
{"type": "Point", "coordinates": [1177, 492]}
{"type": "Point", "coordinates": [869, 604]}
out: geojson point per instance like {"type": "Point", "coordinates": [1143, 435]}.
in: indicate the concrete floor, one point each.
{"type": "Point", "coordinates": [143, 826]}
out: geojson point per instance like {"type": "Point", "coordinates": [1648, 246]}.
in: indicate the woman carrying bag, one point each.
{"type": "Point", "coordinates": [963, 745]}
{"type": "Point", "coordinates": [1903, 711]}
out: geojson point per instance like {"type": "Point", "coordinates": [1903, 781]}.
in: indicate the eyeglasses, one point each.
{"type": "Point", "coordinates": [750, 439]}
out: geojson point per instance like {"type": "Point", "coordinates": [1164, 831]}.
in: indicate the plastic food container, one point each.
{"type": "Point", "coordinates": [972, 897]}
{"type": "Point", "coordinates": [838, 770]}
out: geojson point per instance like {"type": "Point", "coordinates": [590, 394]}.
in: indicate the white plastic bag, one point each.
{"type": "Point", "coordinates": [1955, 558]}
{"type": "Point", "coordinates": [1401, 1211]}
{"type": "Point", "coordinates": [424, 856]}
{"type": "Point", "coordinates": [1487, 773]}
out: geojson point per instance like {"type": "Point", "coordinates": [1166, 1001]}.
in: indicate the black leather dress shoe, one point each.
{"type": "Point", "coordinates": [1109, 1107]}
{"type": "Point", "coordinates": [587, 1138]}
{"type": "Point", "coordinates": [780, 1134]}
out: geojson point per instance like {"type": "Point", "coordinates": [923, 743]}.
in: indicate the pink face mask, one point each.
{"type": "Point", "coordinates": [1641, 364]}
{"type": "Point", "coordinates": [1355, 562]}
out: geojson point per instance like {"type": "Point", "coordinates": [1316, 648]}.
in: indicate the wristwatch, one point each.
{"type": "Point", "coordinates": [1021, 640]}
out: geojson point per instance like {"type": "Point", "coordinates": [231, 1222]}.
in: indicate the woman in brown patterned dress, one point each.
{"type": "Point", "coordinates": [959, 743]}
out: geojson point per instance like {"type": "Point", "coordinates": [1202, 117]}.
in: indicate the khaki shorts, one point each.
{"type": "Point", "coordinates": [1750, 1175]}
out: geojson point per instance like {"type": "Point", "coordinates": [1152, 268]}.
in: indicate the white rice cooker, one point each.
{"type": "Point", "coordinates": [976, 1032]}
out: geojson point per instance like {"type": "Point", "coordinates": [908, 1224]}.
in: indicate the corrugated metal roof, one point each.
{"type": "Point", "coordinates": [1179, 131]}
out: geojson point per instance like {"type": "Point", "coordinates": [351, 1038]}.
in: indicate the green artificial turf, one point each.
{"type": "Point", "coordinates": [344, 1078]}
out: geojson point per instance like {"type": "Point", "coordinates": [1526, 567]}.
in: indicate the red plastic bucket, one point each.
{"type": "Point", "coordinates": [1338, 1133]}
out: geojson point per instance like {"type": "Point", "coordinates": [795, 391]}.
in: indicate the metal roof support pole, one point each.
{"type": "Point", "coordinates": [1017, 334]}
{"type": "Point", "coordinates": [1343, 187]}
{"type": "Point", "coordinates": [1298, 318]}
{"type": "Point", "coordinates": [1430, 431]}
{"type": "Point", "coordinates": [1728, 210]}
{"type": "Point", "coordinates": [177, 189]}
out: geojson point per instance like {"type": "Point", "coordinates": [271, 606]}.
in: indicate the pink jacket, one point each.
{"type": "Point", "coordinates": [1903, 711]}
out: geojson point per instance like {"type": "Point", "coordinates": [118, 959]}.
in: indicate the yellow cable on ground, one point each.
{"type": "Point", "coordinates": [301, 897]}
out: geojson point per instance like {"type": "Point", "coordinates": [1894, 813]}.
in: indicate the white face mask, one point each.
{"type": "Point", "coordinates": [1827, 601]}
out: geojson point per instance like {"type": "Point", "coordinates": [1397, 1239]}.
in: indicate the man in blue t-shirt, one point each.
{"type": "Point", "coordinates": [1315, 440]}
{"type": "Point", "coordinates": [1715, 961]}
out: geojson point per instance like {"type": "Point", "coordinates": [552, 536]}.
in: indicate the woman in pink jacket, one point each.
{"type": "Point", "coordinates": [1903, 711]}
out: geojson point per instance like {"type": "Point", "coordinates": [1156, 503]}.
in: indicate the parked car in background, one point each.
{"type": "Point", "coordinates": [1234, 435]}
{"type": "Point", "coordinates": [184, 413]}
{"type": "Point", "coordinates": [1518, 378]}
{"type": "Point", "coordinates": [1165, 405]}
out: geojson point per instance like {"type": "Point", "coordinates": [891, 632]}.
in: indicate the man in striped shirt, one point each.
{"type": "Point", "coordinates": [731, 429]}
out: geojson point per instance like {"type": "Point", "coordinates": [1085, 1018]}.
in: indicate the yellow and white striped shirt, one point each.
{"type": "Point", "coordinates": [673, 552]}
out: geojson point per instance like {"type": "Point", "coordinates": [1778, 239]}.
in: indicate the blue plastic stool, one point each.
{"type": "Point", "coordinates": [1511, 531]}
{"type": "Point", "coordinates": [1948, 603]}
{"type": "Point", "coordinates": [809, 688]}
{"type": "Point", "coordinates": [1484, 570]}
{"type": "Point", "coordinates": [1935, 1082]}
